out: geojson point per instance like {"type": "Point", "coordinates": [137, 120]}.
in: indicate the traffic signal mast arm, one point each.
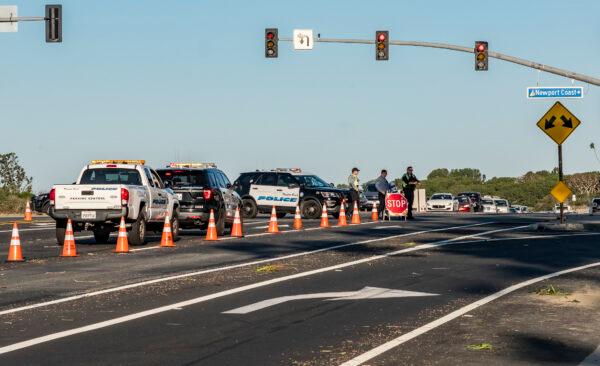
{"type": "Point", "coordinates": [22, 19]}
{"type": "Point", "coordinates": [497, 55]}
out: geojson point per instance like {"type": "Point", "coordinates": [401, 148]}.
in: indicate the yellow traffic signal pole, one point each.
{"type": "Point", "coordinates": [497, 55]}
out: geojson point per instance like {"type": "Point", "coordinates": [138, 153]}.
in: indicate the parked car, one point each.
{"type": "Point", "coordinates": [566, 209]}
{"type": "Point", "coordinates": [201, 187]}
{"type": "Point", "coordinates": [475, 198]}
{"type": "Point", "coordinates": [41, 203]}
{"type": "Point", "coordinates": [519, 209]}
{"type": "Point", "coordinates": [364, 202]}
{"type": "Point", "coordinates": [501, 205]}
{"type": "Point", "coordinates": [440, 202]}
{"type": "Point", "coordinates": [594, 205]}
{"type": "Point", "coordinates": [488, 205]}
{"type": "Point", "coordinates": [371, 195]}
{"type": "Point", "coordinates": [462, 204]}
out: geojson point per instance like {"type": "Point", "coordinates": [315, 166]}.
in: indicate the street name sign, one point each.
{"type": "Point", "coordinates": [303, 39]}
{"type": "Point", "coordinates": [558, 123]}
{"type": "Point", "coordinates": [554, 92]}
{"type": "Point", "coordinates": [561, 192]}
{"type": "Point", "coordinates": [6, 12]}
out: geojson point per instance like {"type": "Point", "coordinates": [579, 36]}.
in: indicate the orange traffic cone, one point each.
{"type": "Point", "coordinates": [342, 221]}
{"type": "Point", "coordinates": [273, 227]}
{"type": "Point", "coordinates": [28, 216]}
{"type": "Point", "coordinates": [166, 241]}
{"type": "Point", "coordinates": [211, 231]}
{"type": "Point", "coordinates": [355, 215]}
{"type": "Point", "coordinates": [122, 241]}
{"type": "Point", "coordinates": [374, 213]}
{"type": "Point", "coordinates": [14, 251]}
{"type": "Point", "coordinates": [297, 219]}
{"type": "Point", "coordinates": [69, 249]}
{"type": "Point", "coordinates": [324, 217]}
{"type": "Point", "coordinates": [236, 229]}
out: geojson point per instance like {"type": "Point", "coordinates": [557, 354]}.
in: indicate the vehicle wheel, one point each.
{"type": "Point", "coordinates": [61, 229]}
{"type": "Point", "coordinates": [311, 209]}
{"type": "Point", "coordinates": [220, 222]}
{"type": "Point", "coordinates": [249, 208]}
{"type": "Point", "coordinates": [281, 215]}
{"type": "Point", "coordinates": [175, 226]}
{"type": "Point", "coordinates": [101, 236]}
{"type": "Point", "coordinates": [46, 208]}
{"type": "Point", "coordinates": [137, 234]}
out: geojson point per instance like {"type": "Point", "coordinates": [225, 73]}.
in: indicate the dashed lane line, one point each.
{"type": "Point", "coordinates": [182, 304]}
{"type": "Point", "coordinates": [224, 268]}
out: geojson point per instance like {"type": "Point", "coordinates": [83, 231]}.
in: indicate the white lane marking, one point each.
{"type": "Point", "coordinates": [362, 294]}
{"type": "Point", "coordinates": [377, 351]}
{"type": "Point", "coordinates": [267, 226]}
{"type": "Point", "coordinates": [182, 304]}
{"type": "Point", "coordinates": [218, 269]}
{"type": "Point", "coordinates": [593, 359]}
{"type": "Point", "coordinates": [33, 229]}
{"type": "Point", "coordinates": [528, 237]}
{"type": "Point", "coordinates": [387, 227]}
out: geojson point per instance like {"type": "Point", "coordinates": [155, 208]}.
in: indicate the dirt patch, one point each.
{"type": "Point", "coordinates": [586, 296]}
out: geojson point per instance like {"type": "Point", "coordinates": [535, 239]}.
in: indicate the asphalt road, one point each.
{"type": "Point", "coordinates": [315, 297]}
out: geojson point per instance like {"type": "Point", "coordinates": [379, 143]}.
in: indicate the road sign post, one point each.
{"type": "Point", "coordinates": [559, 123]}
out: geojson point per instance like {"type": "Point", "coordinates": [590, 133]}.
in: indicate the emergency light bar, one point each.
{"type": "Point", "coordinates": [137, 162]}
{"type": "Point", "coordinates": [192, 165]}
{"type": "Point", "coordinates": [293, 170]}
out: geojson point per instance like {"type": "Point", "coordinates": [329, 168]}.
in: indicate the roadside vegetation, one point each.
{"type": "Point", "coordinates": [15, 185]}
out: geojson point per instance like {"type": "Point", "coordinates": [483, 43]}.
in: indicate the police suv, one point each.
{"type": "Point", "coordinates": [200, 187]}
{"type": "Point", "coordinates": [284, 189]}
{"type": "Point", "coordinates": [107, 190]}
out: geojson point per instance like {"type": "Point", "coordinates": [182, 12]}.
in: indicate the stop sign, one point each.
{"type": "Point", "coordinates": [396, 204]}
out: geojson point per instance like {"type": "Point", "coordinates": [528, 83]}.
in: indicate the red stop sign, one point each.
{"type": "Point", "coordinates": [396, 204]}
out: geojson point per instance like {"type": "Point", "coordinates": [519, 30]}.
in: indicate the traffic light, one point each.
{"type": "Point", "coordinates": [481, 56]}
{"type": "Point", "coordinates": [53, 23]}
{"type": "Point", "coordinates": [382, 44]}
{"type": "Point", "coordinates": [271, 42]}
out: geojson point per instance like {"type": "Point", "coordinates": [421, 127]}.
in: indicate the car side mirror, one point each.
{"type": "Point", "coordinates": [332, 185]}
{"type": "Point", "coordinates": [168, 184]}
{"type": "Point", "coordinates": [229, 186]}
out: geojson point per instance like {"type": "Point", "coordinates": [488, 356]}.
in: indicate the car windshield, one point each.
{"type": "Point", "coordinates": [184, 178]}
{"type": "Point", "coordinates": [441, 197]}
{"type": "Point", "coordinates": [463, 199]}
{"type": "Point", "coordinates": [111, 176]}
{"type": "Point", "coordinates": [312, 181]}
{"type": "Point", "coordinates": [487, 202]}
{"type": "Point", "coordinates": [371, 187]}
{"type": "Point", "coordinates": [501, 203]}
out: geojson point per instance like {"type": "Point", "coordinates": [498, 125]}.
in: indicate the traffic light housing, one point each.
{"type": "Point", "coordinates": [53, 20]}
{"type": "Point", "coordinates": [382, 45]}
{"type": "Point", "coordinates": [481, 56]}
{"type": "Point", "coordinates": [271, 43]}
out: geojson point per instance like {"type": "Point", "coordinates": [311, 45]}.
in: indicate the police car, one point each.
{"type": "Point", "coordinates": [285, 189]}
{"type": "Point", "coordinates": [200, 187]}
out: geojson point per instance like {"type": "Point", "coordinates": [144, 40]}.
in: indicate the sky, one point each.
{"type": "Point", "coordinates": [187, 81]}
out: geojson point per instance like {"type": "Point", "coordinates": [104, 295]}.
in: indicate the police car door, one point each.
{"type": "Point", "coordinates": [288, 189]}
{"type": "Point", "coordinates": [227, 192]}
{"type": "Point", "coordinates": [151, 209]}
{"type": "Point", "coordinates": [264, 190]}
{"type": "Point", "coordinates": [162, 201]}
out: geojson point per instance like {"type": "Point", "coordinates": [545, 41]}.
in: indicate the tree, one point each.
{"type": "Point", "coordinates": [13, 177]}
{"type": "Point", "coordinates": [438, 173]}
{"type": "Point", "coordinates": [584, 183]}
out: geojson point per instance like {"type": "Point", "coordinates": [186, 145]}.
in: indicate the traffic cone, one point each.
{"type": "Point", "coordinates": [69, 249]}
{"type": "Point", "coordinates": [28, 216]}
{"type": "Point", "coordinates": [374, 213]}
{"type": "Point", "coordinates": [324, 217]}
{"type": "Point", "coordinates": [297, 219]}
{"type": "Point", "coordinates": [342, 221]}
{"type": "Point", "coordinates": [236, 229]}
{"type": "Point", "coordinates": [273, 227]}
{"type": "Point", "coordinates": [166, 241]}
{"type": "Point", "coordinates": [355, 215]}
{"type": "Point", "coordinates": [14, 251]}
{"type": "Point", "coordinates": [211, 231]}
{"type": "Point", "coordinates": [122, 241]}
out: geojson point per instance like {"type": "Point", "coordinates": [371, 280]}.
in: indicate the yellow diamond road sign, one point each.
{"type": "Point", "coordinates": [560, 192]}
{"type": "Point", "coordinates": [558, 123]}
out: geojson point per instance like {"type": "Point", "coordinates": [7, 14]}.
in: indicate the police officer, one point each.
{"type": "Point", "coordinates": [383, 187]}
{"type": "Point", "coordinates": [354, 184]}
{"type": "Point", "coordinates": [409, 183]}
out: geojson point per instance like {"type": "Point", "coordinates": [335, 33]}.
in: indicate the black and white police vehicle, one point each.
{"type": "Point", "coordinates": [200, 187]}
{"type": "Point", "coordinates": [284, 189]}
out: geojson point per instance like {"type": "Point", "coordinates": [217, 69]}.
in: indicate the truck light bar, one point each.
{"type": "Point", "coordinates": [293, 170]}
{"type": "Point", "coordinates": [192, 165]}
{"type": "Point", "coordinates": [137, 162]}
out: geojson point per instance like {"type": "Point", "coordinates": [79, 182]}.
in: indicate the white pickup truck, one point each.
{"type": "Point", "coordinates": [107, 190]}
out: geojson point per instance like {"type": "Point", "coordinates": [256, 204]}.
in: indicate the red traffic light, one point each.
{"type": "Point", "coordinates": [381, 37]}
{"type": "Point", "coordinates": [270, 35]}
{"type": "Point", "coordinates": [480, 47]}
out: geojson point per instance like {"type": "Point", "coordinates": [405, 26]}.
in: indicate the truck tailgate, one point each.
{"type": "Point", "coordinates": [87, 197]}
